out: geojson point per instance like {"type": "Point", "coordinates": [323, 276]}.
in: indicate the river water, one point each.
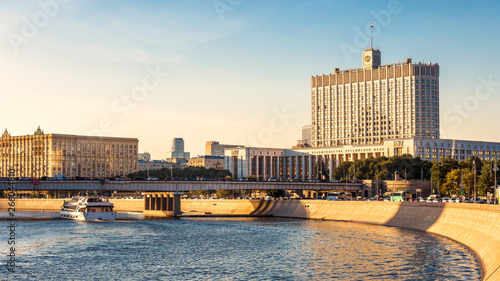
{"type": "Point", "coordinates": [135, 248]}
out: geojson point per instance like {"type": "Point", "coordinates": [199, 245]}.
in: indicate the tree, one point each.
{"type": "Point", "coordinates": [276, 193]}
{"type": "Point", "coordinates": [341, 170]}
{"type": "Point", "coordinates": [451, 185]}
{"type": "Point", "coordinates": [320, 170]}
{"type": "Point", "coordinates": [189, 172]}
{"type": "Point", "coordinates": [223, 193]}
{"type": "Point", "coordinates": [485, 180]}
{"type": "Point", "coordinates": [440, 169]}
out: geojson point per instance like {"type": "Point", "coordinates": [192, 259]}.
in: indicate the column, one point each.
{"type": "Point", "coordinates": [310, 167]}
{"type": "Point", "coordinates": [240, 167]}
{"type": "Point", "coordinates": [290, 167]}
{"type": "Point", "coordinates": [160, 202]}
{"type": "Point", "coordinates": [146, 202]}
{"type": "Point", "coordinates": [264, 158]}
{"type": "Point", "coordinates": [330, 164]}
{"type": "Point", "coordinates": [152, 205]}
{"type": "Point", "coordinates": [250, 165]}
{"type": "Point", "coordinates": [278, 167]}
{"type": "Point", "coordinates": [170, 203]}
{"type": "Point", "coordinates": [303, 168]}
{"type": "Point", "coordinates": [164, 199]}
{"type": "Point", "coordinates": [158, 207]}
{"type": "Point", "coordinates": [257, 166]}
{"type": "Point", "coordinates": [271, 170]}
{"type": "Point", "coordinates": [177, 204]}
{"type": "Point", "coordinates": [285, 165]}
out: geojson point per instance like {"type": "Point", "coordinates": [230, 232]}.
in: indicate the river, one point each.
{"type": "Point", "coordinates": [135, 248]}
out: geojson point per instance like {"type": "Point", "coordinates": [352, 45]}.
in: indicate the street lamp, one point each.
{"type": "Point", "coordinates": [422, 172]}
{"type": "Point", "coordinates": [474, 164]}
{"type": "Point", "coordinates": [495, 168]}
{"type": "Point", "coordinates": [406, 182]}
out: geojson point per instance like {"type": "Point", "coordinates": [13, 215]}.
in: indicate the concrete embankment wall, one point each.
{"type": "Point", "coordinates": [54, 205]}
{"type": "Point", "coordinates": [476, 226]}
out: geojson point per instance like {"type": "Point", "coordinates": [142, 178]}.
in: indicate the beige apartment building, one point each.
{"type": "Point", "coordinates": [213, 148]}
{"type": "Point", "coordinates": [73, 156]}
{"type": "Point", "coordinates": [207, 161]}
{"type": "Point", "coordinates": [376, 102]}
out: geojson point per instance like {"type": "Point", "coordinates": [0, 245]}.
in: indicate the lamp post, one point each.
{"type": "Point", "coordinates": [461, 185]}
{"type": "Point", "coordinates": [439, 177]}
{"type": "Point", "coordinates": [495, 168]}
{"type": "Point", "coordinates": [474, 166]}
{"type": "Point", "coordinates": [468, 184]}
{"type": "Point", "coordinates": [422, 172]}
{"type": "Point", "coordinates": [406, 183]}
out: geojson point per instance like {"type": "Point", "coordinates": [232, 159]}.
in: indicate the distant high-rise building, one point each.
{"type": "Point", "coordinates": [375, 103]}
{"type": "Point", "coordinates": [178, 149]}
{"type": "Point", "coordinates": [213, 148]}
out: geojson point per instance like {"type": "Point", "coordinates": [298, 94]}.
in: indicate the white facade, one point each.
{"type": "Point", "coordinates": [267, 163]}
{"type": "Point", "coordinates": [376, 102]}
{"type": "Point", "coordinates": [427, 149]}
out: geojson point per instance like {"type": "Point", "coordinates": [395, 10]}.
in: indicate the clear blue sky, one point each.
{"type": "Point", "coordinates": [69, 67]}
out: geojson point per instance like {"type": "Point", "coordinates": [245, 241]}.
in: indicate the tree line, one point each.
{"type": "Point", "coordinates": [451, 176]}
{"type": "Point", "coordinates": [188, 172]}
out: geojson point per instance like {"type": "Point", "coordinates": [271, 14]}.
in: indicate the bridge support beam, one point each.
{"type": "Point", "coordinates": [162, 204]}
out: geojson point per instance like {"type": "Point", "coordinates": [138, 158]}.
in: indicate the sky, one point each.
{"type": "Point", "coordinates": [234, 71]}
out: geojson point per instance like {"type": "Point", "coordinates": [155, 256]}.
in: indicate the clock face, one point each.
{"type": "Point", "coordinates": [367, 58]}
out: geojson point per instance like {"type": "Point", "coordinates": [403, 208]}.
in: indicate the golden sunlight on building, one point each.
{"type": "Point", "coordinates": [40, 155]}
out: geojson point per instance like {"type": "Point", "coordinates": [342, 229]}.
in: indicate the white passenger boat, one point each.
{"type": "Point", "coordinates": [88, 208]}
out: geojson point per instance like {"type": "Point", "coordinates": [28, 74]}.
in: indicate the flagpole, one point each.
{"type": "Point", "coordinates": [371, 40]}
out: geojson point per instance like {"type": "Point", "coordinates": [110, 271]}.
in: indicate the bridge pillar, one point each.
{"type": "Point", "coordinates": [170, 203]}
{"type": "Point", "coordinates": [162, 204]}
{"type": "Point", "coordinates": [153, 203]}
{"type": "Point", "coordinates": [146, 202]}
{"type": "Point", "coordinates": [159, 200]}
{"type": "Point", "coordinates": [177, 203]}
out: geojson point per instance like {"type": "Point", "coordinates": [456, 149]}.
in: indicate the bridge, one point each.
{"type": "Point", "coordinates": [177, 186]}
{"type": "Point", "coordinates": [162, 198]}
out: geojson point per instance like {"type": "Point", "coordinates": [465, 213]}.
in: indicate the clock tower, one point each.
{"type": "Point", "coordinates": [371, 58]}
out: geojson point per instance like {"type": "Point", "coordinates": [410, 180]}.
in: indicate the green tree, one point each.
{"type": "Point", "coordinates": [451, 185]}
{"type": "Point", "coordinates": [189, 172]}
{"type": "Point", "coordinates": [320, 170]}
{"type": "Point", "coordinates": [441, 168]}
{"type": "Point", "coordinates": [341, 171]}
{"type": "Point", "coordinates": [222, 193]}
{"type": "Point", "coordinates": [485, 180]}
{"type": "Point", "coordinates": [276, 193]}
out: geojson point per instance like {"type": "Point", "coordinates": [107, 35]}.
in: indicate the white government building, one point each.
{"type": "Point", "coordinates": [373, 111]}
